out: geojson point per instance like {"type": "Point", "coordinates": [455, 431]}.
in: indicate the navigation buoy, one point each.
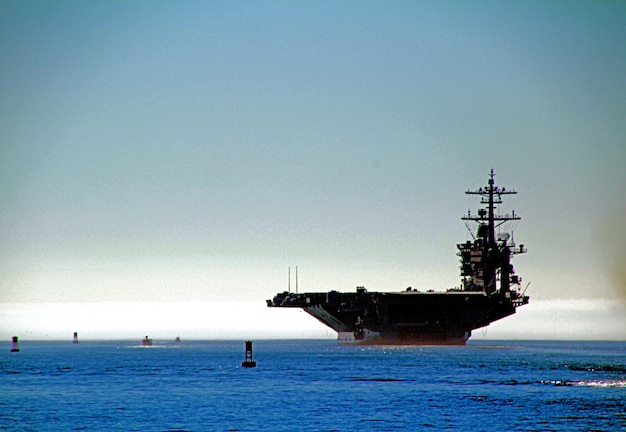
{"type": "Point", "coordinates": [146, 341]}
{"type": "Point", "coordinates": [248, 362]}
{"type": "Point", "coordinates": [75, 341]}
{"type": "Point", "coordinates": [15, 346]}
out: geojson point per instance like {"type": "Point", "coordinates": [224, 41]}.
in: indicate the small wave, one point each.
{"type": "Point", "coordinates": [377, 379]}
{"type": "Point", "coordinates": [618, 368]}
{"type": "Point", "coordinates": [497, 347]}
{"type": "Point", "coordinates": [514, 382]}
{"type": "Point", "coordinates": [511, 382]}
{"type": "Point", "coordinates": [151, 347]}
{"type": "Point", "coordinates": [587, 383]}
{"type": "Point", "coordinates": [601, 383]}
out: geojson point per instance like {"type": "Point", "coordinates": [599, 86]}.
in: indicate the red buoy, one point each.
{"type": "Point", "coordinates": [15, 347]}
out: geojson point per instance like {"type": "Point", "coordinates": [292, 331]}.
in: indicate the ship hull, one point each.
{"type": "Point", "coordinates": [401, 318]}
{"type": "Point", "coordinates": [348, 338]}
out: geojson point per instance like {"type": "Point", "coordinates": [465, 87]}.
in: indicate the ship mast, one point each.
{"type": "Point", "coordinates": [492, 196]}
{"type": "Point", "coordinates": [494, 255]}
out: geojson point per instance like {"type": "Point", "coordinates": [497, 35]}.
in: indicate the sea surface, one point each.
{"type": "Point", "coordinates": [312, 385]}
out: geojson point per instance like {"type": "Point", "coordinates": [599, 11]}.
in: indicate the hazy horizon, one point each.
{"type": "Point", "coordinates": [548, 320]}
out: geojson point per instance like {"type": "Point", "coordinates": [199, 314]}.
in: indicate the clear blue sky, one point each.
{"type": "Point", "coordinates": [195, 150]}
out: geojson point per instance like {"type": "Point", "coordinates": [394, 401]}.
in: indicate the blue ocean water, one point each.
{"type": "Point", "coordinates": [313, 385]}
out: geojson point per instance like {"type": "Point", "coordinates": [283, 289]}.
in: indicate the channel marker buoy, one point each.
{"type": "Point", "coordinates": [15, 346]}
{"type": "Point", "coordinates": [248, 362]}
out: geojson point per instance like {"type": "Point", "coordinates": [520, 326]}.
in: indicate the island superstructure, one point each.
{"type": "Point", "coordinates": [489, 291]}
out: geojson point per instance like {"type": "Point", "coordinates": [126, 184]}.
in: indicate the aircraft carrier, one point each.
{"type": "Point", "coordinates": [489, 290]}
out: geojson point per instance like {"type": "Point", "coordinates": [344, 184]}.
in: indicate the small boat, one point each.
{"type": "Point", "coordinates": [146, 341]}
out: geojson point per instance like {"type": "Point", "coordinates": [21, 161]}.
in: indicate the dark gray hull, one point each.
{"type": "Point", "coordinates": [402, 318]}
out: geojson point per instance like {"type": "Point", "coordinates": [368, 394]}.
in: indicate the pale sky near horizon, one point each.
{"type": "Point", "coordinates": [193, 151]}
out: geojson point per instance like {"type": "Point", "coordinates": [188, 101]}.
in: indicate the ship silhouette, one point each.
{"type": "Point", "coordinates": [489, 291]}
